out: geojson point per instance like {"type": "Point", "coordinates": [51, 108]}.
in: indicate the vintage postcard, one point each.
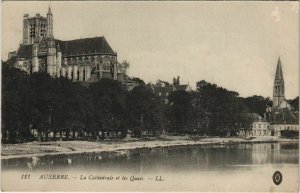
{"type": "Point", "coordinates": [150, 96]}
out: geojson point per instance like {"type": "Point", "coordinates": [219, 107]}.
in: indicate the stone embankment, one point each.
{"type": "Point", "coordinates": [36, 149]}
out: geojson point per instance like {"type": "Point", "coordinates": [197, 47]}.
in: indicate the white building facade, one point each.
{"type": "Point", "coordinates": [261, 128]}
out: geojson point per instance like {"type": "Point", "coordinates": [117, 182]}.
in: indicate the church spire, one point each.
{"type": "Point", "coordinates": [278, 88]}
{"type": "Point", "coordinates": [279, 75]}
{"type": "Point", "coordinates": [49, 23]}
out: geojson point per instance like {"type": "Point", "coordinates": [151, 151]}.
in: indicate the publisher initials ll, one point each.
{"type": "Point", "coordinates": [159, 178]}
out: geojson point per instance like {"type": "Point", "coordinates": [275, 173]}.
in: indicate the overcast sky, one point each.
{"type": "Point", "coordinates": [233, 44]}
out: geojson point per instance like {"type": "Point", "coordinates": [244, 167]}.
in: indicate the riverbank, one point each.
{"type": "Point", "coordinates": [36, 149]}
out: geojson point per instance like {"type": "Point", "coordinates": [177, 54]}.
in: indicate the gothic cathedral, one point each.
{"type": "Point", "coordinates": [87, 60]}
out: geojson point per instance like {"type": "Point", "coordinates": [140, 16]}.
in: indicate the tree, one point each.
{"type": "Point", "coordinates": [294, 103]}
{"type": "Point", "coordinates": [109, 105]}
{"type": "Point", "coordinates": [139, 81]}
{"type": "Point", "coordinates": [143, 111]}
{"type": "Point", "coordinates": [14, 103]}
{"type": "Point", "coordinates": [218, 108]}
{"type": "Point", "coordinates": [256, 104]}
{"type": "Point", "coordinates": [180, 112]}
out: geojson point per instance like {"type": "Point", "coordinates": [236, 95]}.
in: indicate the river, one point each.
{"type": "Point", "coordinates": [234, 167]}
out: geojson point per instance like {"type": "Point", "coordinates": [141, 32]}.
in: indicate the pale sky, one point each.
{"type": "Point", "coordinates": [235, 45]}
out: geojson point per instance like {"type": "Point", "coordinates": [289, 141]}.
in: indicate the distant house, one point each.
{"type": "Point", "coordinates": [164, 89]}
{"type": "Point", "coordinates": [261, 128]}
{"type": "Point", "coordinates": [129, 84]}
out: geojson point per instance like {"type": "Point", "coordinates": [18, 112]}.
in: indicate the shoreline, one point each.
{"type": "Point", "coordinates": [39, 149]}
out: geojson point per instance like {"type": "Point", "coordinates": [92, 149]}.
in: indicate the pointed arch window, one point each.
{"type": "Point", "coordinates": [106, 66]}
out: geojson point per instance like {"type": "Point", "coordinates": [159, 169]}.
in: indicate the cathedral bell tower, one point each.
{"type": "Point", "coordinates": [278, 89]}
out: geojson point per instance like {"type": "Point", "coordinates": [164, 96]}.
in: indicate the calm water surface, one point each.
{"type": "Point", "coordinates": [238, 167]}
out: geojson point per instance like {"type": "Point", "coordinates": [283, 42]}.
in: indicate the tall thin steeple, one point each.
{"type": "Point", "coordinates": [278, 74]}
{"type": "Point", "coordinates": [49, 23]}
{"type": "Point", "coordinates": [51, 47]}
{"type": "Point", "coordinates": [278, 89]}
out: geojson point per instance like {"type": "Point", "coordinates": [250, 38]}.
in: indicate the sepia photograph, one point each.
{"type": "Point", "coordinates": [150, 96]}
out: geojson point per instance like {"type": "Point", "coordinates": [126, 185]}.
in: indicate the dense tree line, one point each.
{"type": "Point", "coordinates": [105, 109]}
{"type": "Point", "coordinates": [64, 108]}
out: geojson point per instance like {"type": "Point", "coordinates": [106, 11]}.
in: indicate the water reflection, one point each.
{"type": "Point", "coordinates": [166, 159]}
